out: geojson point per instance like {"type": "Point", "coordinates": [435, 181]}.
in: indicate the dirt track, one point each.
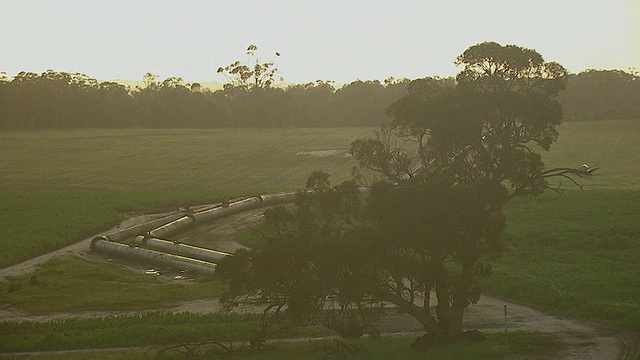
{"type": "Point", "coordinates": [584, 341]}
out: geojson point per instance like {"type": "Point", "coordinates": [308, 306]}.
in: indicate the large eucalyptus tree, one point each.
{"type": "Point", "coordinates": [454, 154]}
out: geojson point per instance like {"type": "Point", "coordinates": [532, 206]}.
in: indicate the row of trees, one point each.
{"type": "Point", "coordinates": [602, 95]}
{"type": "Point", "coordinates": [72, 100]}
{"type": "Point", "coordinates": [63, 100]}
{"type": "Point", "coordinates": [431, 222]}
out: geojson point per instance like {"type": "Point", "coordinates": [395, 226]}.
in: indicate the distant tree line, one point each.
{"type": "Point", "coordinates": [73, 100]}
{"type": "Point", "coordinates": [602, 95]}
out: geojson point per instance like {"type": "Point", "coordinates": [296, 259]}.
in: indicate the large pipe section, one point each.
{"type": "Point", "coordinates": [278, 199]}
{"type": "Point", "coordinates": [177, 248]}
{"type": "Point", "coordinates": [174, 227]}
{"type": "Point", "coordinates": [154, 257]}
{"type": "Point", "coordinates": [175, 254]}
{"type": "Point", "coordinates": [141, 228]}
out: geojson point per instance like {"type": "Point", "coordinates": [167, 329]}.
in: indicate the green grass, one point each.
{"type": "Point", "coordinates": [144, 330]}
{"type": "Point", "coordinates": [45, 220]}
{"type": "Point", "coordinates": [496, 346]}
{"type": "Point", "coordinates": [72, 285]}
{"type": "Point", "coordinates": [58, 187]}
{"type": "Point", "coordinates": [222, 159]}
{"type": "Point", "coordinates": [575, 255]}
{"type": "Point", "coordinates": [157, 331]}
{"type": "Point", "coordinates": [613, 144]}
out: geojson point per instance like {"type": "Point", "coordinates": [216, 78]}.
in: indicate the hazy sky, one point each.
{"type": "Point", "coordinates": [340, 40]}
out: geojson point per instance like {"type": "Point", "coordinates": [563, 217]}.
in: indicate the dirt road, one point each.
{"type": "Point", "coordinates": [584, 341]}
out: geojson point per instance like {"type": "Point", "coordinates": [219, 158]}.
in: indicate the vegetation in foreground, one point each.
{"type": "Point", "coordinates": [572, 254]}
{"type": "Point", "coordinates": [580, 249]}
{"type": "Point", "coordinates": [77, 285]}
{"type": "Point", "coordinates": [142, 330]}
{"type": "Point", "coordinates": [453, 156]}
{"type": "Point", "coordinates": [158, 333]}
{"type": "Point", "coordinates": [43, 185]}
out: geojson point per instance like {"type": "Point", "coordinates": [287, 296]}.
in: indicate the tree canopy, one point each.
{"type": "Point", "coordinates": [72, 100]}
{"type": "Point", "coordinates": [431, 221]}
{"type": "Point", "coordinates": [255, 74]}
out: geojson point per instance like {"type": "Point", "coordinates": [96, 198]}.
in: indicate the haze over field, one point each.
{"type": "Point", "coordinates": [328, 40]}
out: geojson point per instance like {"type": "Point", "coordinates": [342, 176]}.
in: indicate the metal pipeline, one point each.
{"type": "Point", "coordinates": [173, 227]}
{"type": "Point", "coordinates": [141, 228]}
{"type": "Point", "coordinates": [178, 248]}
{"type": "Point", "coordinates": [175, 254]}
{"type": "Point", "coordinates": [244, 205]}
{"type": "Point", "coordinates": [101, 244]}
{"type": "Point", "coordinates": [277, 199]}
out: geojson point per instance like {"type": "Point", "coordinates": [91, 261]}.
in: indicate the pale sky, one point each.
{"type": "Point", "coordinates": [340, 40]}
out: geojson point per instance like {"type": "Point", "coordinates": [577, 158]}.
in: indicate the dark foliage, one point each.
{"type": "Point", "coordinates": [58, 100]}
{"type": "Point", "coordinates": [602, 95]}
{"type": "Point", "coordinates": [55, 100]}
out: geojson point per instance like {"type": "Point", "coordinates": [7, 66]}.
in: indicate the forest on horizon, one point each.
{"type": "Point", "coordinates": [59, 100]}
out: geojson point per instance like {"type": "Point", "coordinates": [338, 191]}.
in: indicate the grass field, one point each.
{"type": "Point", "coordinates": [61, 186]}
{"type": "Point", "coordinates": [574, 254]}
{"type": "Point", "coordinates": [244, 160]}
{"type": "Point", "coordinates": [614, 145]}
{"type": "Point", "coordinates": [173, 329]}
{"type": "Point", "coordinates": [76, 285]}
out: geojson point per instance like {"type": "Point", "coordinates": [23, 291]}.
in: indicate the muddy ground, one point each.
{"type": "Point", "coordinates": [584, 341]}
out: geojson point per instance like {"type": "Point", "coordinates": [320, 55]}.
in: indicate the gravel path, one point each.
{"type": "Point", "coordinates": [585, 341]}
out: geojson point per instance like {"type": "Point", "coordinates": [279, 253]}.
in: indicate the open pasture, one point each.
{"type": "Point", "coordinates": [245, 160]}
{"type": "Point", "coordinates": [225, 160]}
{"type": "Point", "coordinates": [58, 187]}
{"type": "Point", "coordinates": [573, 254]}
{"type": "Point", "coordinates": [614, 145]}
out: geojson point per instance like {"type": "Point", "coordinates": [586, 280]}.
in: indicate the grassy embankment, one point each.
{"type": "Point", "coordinates": [580, 248]}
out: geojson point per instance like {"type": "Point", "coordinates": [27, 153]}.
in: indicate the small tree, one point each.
{"type": "Point", "coordinates": [309, 261]}
{"type": "Point", "coordinates": [253, 74]}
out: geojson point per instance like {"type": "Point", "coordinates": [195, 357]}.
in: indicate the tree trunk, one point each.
{"type": "Point", "coordinates": [443, 294]}
{"type": "Point", "coordinates": [460, 298]}
{"type": "Point", "coordinates": [443, 309]}
{"type": "Point", "coordinates": [423, 315]}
